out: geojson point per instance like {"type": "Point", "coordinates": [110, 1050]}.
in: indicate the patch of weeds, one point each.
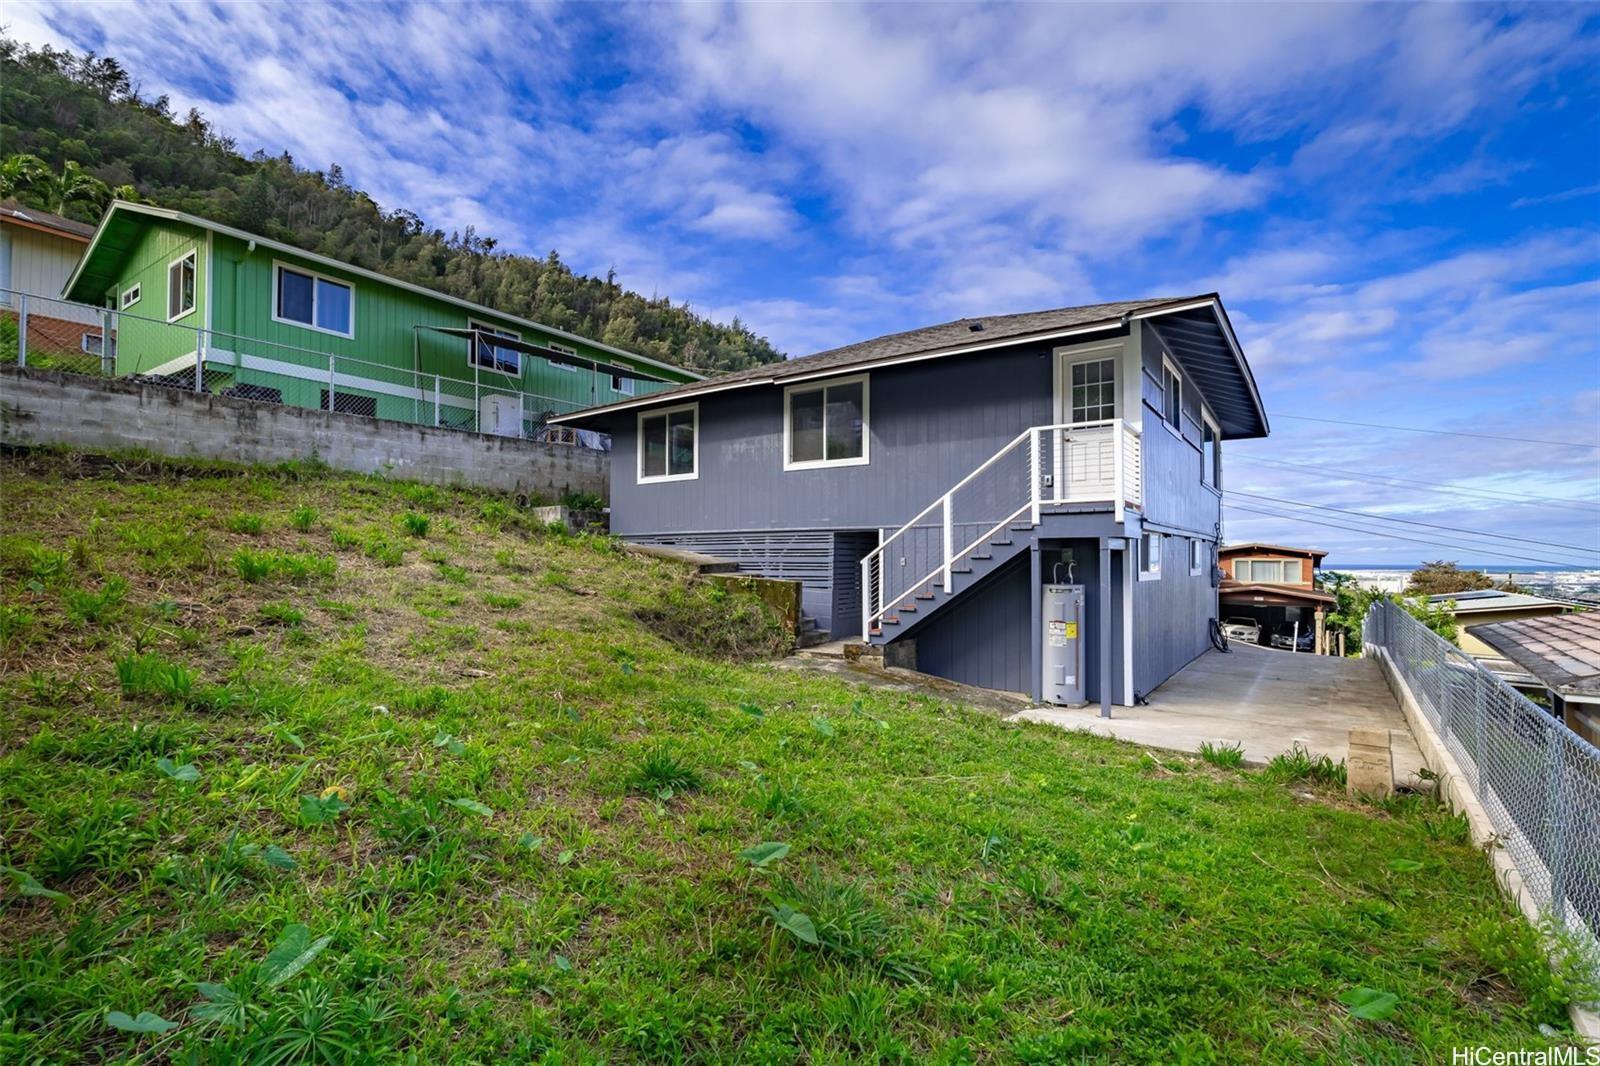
{"type": "Point", "coordinates": [781, 801]}
{"type": "Point", "coordinates": [502, 603]}
{"type": "Point", "coordinates": [557, 578]}
{"type": "Point", "coordinates": [1225, 756]}
{"type": "Point", "coordinates": [384, 553]}
{"type": "Point", "coordinates": [281, 614]}
{"type": "Point", "coordinates": [847, 923]}
{"type": "Point", "coordinates": [716, 623]}
{"type": "Point", "coordinates": [1299, 764]}
{"type": "Point", "coordinates": [344, 540]}
{"type": "Point", "coordinates": [303, 518]}
{"type": "Point", "coordinates": [582, 501]}
{"type": "Point", "coordinates": [151, 676]}
{"type": "Point", "coordinates": [454, 574]}
{"type": "Point", "coordinates": [495, 515]}
{"type": "Point", "coordinates": [251, 524]}
{"type": "Point", "coordinates": [91, 608]}
{"type": "Point", "coordinates": [662, 774]}
{"type": "Point", "coordinates": [415, 524]}
{"type": "Point", "coordinates": [96, 834]}
{"type": "Point", "coordinates": [506, 559]}
{"type": "Point", "coordinates": [16, 626]}
{"type": "Point", "coordinates": [294, 567]}
{"type": "Point", "coordinates": [427, 497]}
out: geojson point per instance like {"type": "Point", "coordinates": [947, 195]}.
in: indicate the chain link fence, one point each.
{"type": "Point", "coordinates": [1538, 781]}
{"type": "Point", "coordinates": [49, 334]}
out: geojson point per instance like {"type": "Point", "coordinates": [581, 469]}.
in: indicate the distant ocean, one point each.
{"type": "Point", "coordinates": [1560, 581]}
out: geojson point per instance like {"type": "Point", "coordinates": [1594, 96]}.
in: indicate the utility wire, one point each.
{"type": "Point", "coordinates": [1441, 432]}
{"type": "Point", "coordinates": [1496, 495]}
{"type": "Point", "coordinates": [1434, 543]}
{"type": "Point", "coordinates": [1426, 525]}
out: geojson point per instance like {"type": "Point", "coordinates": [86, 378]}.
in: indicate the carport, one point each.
{"type": "Point", "coordinates": [1265, 701]}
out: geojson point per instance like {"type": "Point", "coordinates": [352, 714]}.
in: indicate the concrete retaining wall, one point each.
{"type": "Point", "coordinates": [100, 414]}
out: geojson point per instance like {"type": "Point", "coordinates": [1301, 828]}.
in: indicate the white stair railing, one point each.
{"type": "Point", "coordinates": [1044, 465]}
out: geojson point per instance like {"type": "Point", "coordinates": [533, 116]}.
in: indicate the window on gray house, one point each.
{"type": "Point", "coordinates": [827, 424]}
{"type": "Point", "coordinates": [1171, 395]}
{"type": "Point", "coordinates": [1209, 469]}
{"type": "Point", "coordinates": [667, 447]}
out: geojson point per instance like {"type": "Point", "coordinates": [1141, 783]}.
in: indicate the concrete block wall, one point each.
{"type": "Point", "coordinates": [99, 414]}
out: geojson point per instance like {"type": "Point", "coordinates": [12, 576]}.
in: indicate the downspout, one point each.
{"type": "Point", "coordinates": [1105, 627]}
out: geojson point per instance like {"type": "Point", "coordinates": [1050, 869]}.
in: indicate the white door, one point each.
{"type": "Point", "coordinates": [1085, 464]}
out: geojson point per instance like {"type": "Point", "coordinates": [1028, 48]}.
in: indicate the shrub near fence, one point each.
{"type": "Point", "coordinates": [1538, 782]}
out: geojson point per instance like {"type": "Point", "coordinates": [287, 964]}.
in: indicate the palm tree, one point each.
{"type": "Point", "coordinates": [74, 185]}
{"type": "Point", "coordinates": [21, 174]}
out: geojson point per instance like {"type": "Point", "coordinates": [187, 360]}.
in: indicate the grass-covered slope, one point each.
{"type": "Point", "coordinates": [314, 766]}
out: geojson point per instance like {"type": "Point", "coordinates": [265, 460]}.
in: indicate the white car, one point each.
{"type": "Point", "coordinates": [1244, 630]}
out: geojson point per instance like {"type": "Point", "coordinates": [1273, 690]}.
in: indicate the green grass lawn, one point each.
{"type": "Point", "coordinates": [320, 767]}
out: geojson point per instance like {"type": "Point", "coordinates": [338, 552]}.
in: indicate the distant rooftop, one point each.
{"type": "Point", "coordinates": [34, 218]}
{"type": "Point", "coordinates": [1315, 553]}
{"type": "Point", "coordinates": [1493, 600]}
{"type": "Point", "coordinates": [1561, 650]}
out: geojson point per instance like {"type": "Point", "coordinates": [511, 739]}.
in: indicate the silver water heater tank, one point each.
{"type": "Point", "coordinates": [1063, 644]}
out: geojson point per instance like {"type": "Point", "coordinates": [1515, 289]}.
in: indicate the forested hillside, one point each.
{"type": "Point", "coordinates": [86, 109]}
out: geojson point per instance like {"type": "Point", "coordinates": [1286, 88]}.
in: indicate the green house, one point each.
{"type": "Point", "coordinates": [267, 321]}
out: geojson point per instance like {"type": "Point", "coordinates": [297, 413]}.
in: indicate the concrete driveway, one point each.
{"type": "Point", "coordinates": [1266, 700]}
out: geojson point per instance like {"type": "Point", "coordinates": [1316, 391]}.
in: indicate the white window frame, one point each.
{"type": "Point", "coordinates": [279, 266]}
{"type": "Point", "coordinates": [99, 349]}
{"type": "Point", "coordinates": [664, 412]}
{"type": "Point", "coordinates": [1215, 475]}
{"type": "Point", "coordinates": [866, 422]}
{"type": "Point", "coordinates": [1170, 393]}
{"type": "Point", "coordinates": [1149, 562]}
{"type": "Point", "coordinates": [565, 368]}
{"type": "Point", "coordinates": [193, 258]}
{"type": "Point", "coordinates": [1198, 554]}
{"type": "Point", "coordinates": [494, 331]}
{"type": "Point", "coordinates": [129, 296]}
{"type": "Point", "coordinates": [624, 386]}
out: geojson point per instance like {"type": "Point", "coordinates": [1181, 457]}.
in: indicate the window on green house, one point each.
{"type": "Point", "coordinates": [491, 356]}
{"type": "Point", "coordinates": [311, 300]}
{"type": "Point", "coordinates": [566, 367]}
{"type": "Point", "coordinates": [623, 384]}
{"type": "Point", "coordinates": [180, 287]}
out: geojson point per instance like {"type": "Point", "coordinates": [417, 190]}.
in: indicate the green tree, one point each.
{"type": "Point", "coordinates": [21, 175]}
{"type": "Point", "coordinates": [1439, 577]}
{"type": "Point", "coordinates": [73, 186]}
{"type": "Point", "coordinates": [1353, 601]}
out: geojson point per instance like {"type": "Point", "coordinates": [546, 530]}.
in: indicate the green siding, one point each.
{"type": "Point", "coordinates": [144, 345]}
{"type": "Point", "coordinates": [387, 346]}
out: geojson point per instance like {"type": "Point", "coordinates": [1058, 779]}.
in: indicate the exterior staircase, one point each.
{"type": "Point", "coordinates": [993, 515]}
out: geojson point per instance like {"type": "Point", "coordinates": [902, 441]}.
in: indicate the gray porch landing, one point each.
{"type": "Point", "coordinates": [1266, 700]}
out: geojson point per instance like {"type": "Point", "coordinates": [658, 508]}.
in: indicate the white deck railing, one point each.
{"type": "Point", "coordinates": [1097, 462]}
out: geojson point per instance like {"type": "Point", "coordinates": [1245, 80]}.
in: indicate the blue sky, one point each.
{"type": "Point", "coordinates": [1399, 204]}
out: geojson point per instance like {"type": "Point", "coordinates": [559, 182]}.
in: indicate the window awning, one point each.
{"type": "Point", "coordinates": [517, 344]}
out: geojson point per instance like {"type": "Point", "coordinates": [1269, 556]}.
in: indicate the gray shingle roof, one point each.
{"type": "Point", "coordinates": [963, 331]}
{"type": "Point", "coordinates": [1562, 651]}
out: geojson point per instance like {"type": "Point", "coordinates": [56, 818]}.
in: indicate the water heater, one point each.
{"type": "Point", "coordinates": [1063, 644]}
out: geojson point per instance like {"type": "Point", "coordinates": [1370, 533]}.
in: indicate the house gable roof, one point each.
{"type": "Point", "coordinates": [1195, 328]}
{"type": "Point", "coordinates": [123, 220]}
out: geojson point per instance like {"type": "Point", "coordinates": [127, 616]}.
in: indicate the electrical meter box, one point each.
{"type": "Point", "coordinates": [1063, 644]}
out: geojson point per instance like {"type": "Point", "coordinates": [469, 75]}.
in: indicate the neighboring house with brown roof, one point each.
{"type": "Point", "coordinates": [1275, 585]}
{"type": "Point", "coordinates": [1563, 653]}
{"type": "Point", "coordinates": [1484, 607]}
{"type": "Point", "coordinates": [38, 252]}
{"type": "Point", "coordinates": [935, 490]}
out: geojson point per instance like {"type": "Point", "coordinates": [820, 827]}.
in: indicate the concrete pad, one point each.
{"type": "Point", "coordinates": [1267, 701]}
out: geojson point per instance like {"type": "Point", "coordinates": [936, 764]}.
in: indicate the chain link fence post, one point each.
{"type": "Point", "coordinates": [22, 330]}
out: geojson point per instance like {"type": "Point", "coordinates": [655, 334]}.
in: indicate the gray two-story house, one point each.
{"type": "Point", "coordinates": [932, 489]}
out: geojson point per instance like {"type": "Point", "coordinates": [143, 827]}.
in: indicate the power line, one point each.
{"type": "Point", "coordinates": [1441, 432]}
{"type": "Point", "coordinates": [1434, 543]}
{"type": "Point", "coordinates": [1496, 495]}
{"type": "Point", "coordinates": [1426, 525]}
